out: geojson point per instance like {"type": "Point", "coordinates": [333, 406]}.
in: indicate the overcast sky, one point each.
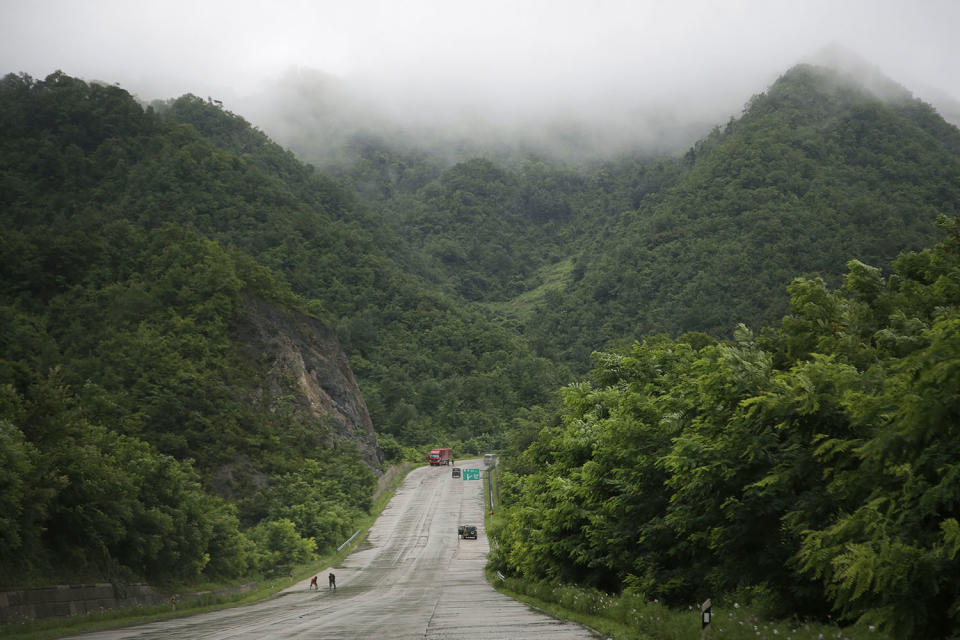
{"type": "Point", "coordinates": [510, 54]}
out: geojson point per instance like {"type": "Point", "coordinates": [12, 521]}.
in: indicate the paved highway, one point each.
{"type": "Point", "coordinates": [412, 578]}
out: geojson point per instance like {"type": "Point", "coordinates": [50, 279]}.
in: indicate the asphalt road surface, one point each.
{"type": "Point", "coordinates": [412, 578]}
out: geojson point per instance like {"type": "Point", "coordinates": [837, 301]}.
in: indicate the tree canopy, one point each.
{"type": "Point", "coordinates": [808, 460]}
{"type": "Point", "coordinates": [814, 464]}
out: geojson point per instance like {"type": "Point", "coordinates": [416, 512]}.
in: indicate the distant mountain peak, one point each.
{"type": "Point", "coordinates": [857, 70]}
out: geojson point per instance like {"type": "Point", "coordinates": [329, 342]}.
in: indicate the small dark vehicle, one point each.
{"type": "Point", "coordinates": [467, 532]}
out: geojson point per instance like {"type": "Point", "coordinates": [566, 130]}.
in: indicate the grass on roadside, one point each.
{"type": "Point", "coordinates": [631, 617]}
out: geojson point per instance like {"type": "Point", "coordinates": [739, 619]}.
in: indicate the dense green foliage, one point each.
{"type": "Point", "coordinates": [816, 464]}
{"type": "Point", "coordinates": [810, 464]}
{"type": "Point", "coordinates": [480, 229]}
{"type": "Point", "coordinates": [818, 171]}
{"type": "Point", "coordinates": [133, 240]}
{"type": "Point", "coordinates": [80, 498]}
{"type": "Point", "coordinates": [370, 285]}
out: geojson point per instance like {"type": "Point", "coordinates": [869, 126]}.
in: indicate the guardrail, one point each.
{"type": "Point", "coordinates": [355, 534]}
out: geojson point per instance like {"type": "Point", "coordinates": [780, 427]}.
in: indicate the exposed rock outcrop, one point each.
{"type": "Point", "coordinates": [306, 361]}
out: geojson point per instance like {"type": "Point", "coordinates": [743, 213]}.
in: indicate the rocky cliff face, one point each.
{"type": "Point", "coordinates": [305, 361]}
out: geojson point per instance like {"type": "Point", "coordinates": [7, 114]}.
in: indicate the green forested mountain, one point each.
{"type": "Point", "coordinates": [370, 284]}
{"type": "Point", "coordinates": [135, 403]}
{"type": "Point", "coordinates": [147, 257]}
{"type": "Point", "coordinates": [817, 171]}
{"type": "Point", "coordinates": [156, 261]}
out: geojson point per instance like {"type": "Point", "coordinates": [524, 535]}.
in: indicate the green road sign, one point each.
{"type": "Point", "coordinates": [471, 474]}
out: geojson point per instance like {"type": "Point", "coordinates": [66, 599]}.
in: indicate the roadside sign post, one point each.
{"type": "Point", "coordinates": [705, 615]}
{"type": "Point", "coordinates": [470, 474]}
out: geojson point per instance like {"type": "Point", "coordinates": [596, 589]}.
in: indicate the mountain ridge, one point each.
{"type": "Point", "coordinates": [135, 238]}
{"type": "Point", "coordinates": [779, 193]}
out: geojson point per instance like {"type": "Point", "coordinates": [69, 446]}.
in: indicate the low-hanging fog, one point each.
{"type": "Point", "coordinates": [579, 78]}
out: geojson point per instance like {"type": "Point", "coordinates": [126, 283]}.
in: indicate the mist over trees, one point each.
{"type": "Point", "coordinates": [324, 119]}
{"type": "Point", "coordinates": [816, 171]}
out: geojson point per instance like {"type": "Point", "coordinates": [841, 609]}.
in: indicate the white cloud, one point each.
{"type": "Point", "coordinates": [505, 54]}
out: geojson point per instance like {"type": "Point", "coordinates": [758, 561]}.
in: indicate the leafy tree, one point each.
{"type": "Point", "coordinates": [278, 546]}
{"type": "Point", "coordinates": [823, 449]}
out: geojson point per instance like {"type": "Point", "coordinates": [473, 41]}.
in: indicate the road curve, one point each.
{"type": "Point", "coordinates": [412, 578]}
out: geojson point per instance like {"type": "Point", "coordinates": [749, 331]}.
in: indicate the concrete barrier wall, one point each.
{"type": "Point", "coordinates": [78, 599]}
{"type": "Point", "coordinates": [71, 600]}
{"type": "Point", "coordinates": [383, 482]}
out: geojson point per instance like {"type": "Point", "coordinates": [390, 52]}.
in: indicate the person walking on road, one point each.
{"type": "Point", "coordinates": [313, 583]}
{"type": "Point", "coordinates": [333, 581]}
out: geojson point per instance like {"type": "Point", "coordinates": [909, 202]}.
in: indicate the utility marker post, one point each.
{"type": "Point", "coordinates": [705, 616]}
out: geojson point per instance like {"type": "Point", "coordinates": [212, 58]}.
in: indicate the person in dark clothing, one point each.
{"type": "Point", "coordinates": [333, 581]}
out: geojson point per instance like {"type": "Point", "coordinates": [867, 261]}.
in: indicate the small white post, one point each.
{"type": "Point", "coordinates": [705, 615]}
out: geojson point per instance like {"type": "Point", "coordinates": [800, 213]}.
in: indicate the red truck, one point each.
{"type": "Point", "coordinates": [440, 456]}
